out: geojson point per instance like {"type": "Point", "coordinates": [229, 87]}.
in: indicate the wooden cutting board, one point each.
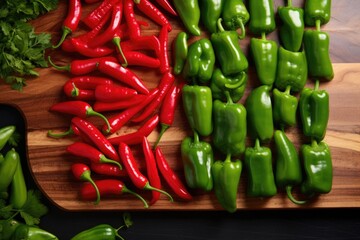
{"type": "Point", "coordinates": [50, 164]}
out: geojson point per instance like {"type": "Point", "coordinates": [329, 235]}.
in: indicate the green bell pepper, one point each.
{"type": "Point", "coordinates": [292, 70]}
{"type": "Point", "coordinates": [265, 56]}
{"type": "Point", "coordinates": [7, 228]}
{"type": "Point", "coordinates": [197, 157]}
{"type": "Point", "coordinates": [235, 16]}
{"type": "Point", "coordinates": [262, 16]}
{"type": "Point", "coordinates": [314, 112]}
{"type": "Point", "coordinates": [101, 231]}
{"type": "Point", "coordinates": [318, 168]}
{"type": "Point", "coordinates": [226, 176]}
{"type": "Point", "coordinates": [200, 61]}
{"type": "Point", "coordinates": [288, 171]}
{"type": "Point", "coordinates": [197, 101]}
{"type": "Point", "coordinates": [234, 84]}
{"type": "Point", "coordinates": [8, 168]}
{"type": "Point", "coordinates": [189, 13]}
{"type": "Point", "coordinates": [316, 46]}
{"type": "Point", "coordinates": [210, 12]}
{"type": "Point", "coordinates": [229, 133]}
{"type": "Point", "coordinates": [258, 162]}
{"type": "Point", "coordinates": [228, 52]}
{"type": "Point", "coordinates": [317, 10]}
{"type": "Point", "coordinates": [292, 28]}
{"type": "Point", "coordinates": [180, 49]}
{"type": "Point", "coordinates": [26, 232]}
{"type": "Point", "coordinates": [285, 108]}
{"type": "Point", "coordinates": [259, 114]}
{"type": "Point", "coordinates": [5, 135]}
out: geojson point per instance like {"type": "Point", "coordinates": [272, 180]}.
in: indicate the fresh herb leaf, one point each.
{"type": "Point", "coordinates": [5, 210]}
{"type": "Point", "coordinates": [33, 209]}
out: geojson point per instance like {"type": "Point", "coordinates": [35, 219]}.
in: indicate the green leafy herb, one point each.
{"type": "Point", "coordinates": [33, 209]}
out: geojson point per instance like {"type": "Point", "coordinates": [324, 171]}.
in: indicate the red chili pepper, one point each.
{"type": "Point", "coordinates": [151, 169]}
{"type": "Point", "coordinates": [167, 6]}
{"type": "Point", "coordinates": [113, 93]}
{"type": "Point", "coordinates": [81, 67]}
{"type": "Point", "coordinates": [71, 21]}
{"type": "Point", "coordinates": [129, 14]}
{"type": "Point", "coordinates": [123, 75]}
{"type": "Point", "coordinates": [109, 33]}
{"type": "Point", "coordinates": [91, 1]}
{"type": "Point", "coordinates": [164, 57]}
{"type": "Point", "coordinates": [89, 152]}
{"type": "Point", "coordinates": [114, 106]}
{"type": "Point", "coordinates": [96, 137]}
{"type": "Point", "coordinates": [167, 110]}
{"type": "Point", "coordinates": [75, 93]}
{"type": "Point", "coordinates": [83, 173]}
{"type": "Point", "coordinates": [96, 16]}
{"type": "Point", "coordinates": [170, 176]}
{"type": "Point", "coordinates": [165, 84]}
{"type": "Point", "coordinates": [108, 187]}
{"type": "Point", "coordinates": [143, 43]}
{"type": "Point", "coordinates": [107, 169]}
{"type": "Point", "coordinates": [120, 119]}
{"type": "Point", "coordinates": [137, 178]}
{"type": "Point", "coordinates": [77, 108]}
{"type": "Point", "coordinates": [137, 136]}
{"type": "Point", "coordinates": [134, 58]}
{"type": "Point", "coordinates": [153, 13]}
{"type": "Point", "coordinates": [82, 48]}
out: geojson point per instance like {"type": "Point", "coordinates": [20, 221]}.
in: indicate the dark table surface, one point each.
{"type": "Point", "coordinates": [187, 225]}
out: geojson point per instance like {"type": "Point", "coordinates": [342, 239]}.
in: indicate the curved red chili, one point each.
{"type": "Point", "coordinates": [167, 6]}
{"type": "Point", "coordinates": [95, 17]}
{"type": "Point", "coordinates": [97, 138]}
{"type": "Point", "coordinates": [113, 93]}
{"type": "Point", "coordinates": [77, 108]}
{"type": "Point", "coordinates": [151, 169]}
{"type": "Point", "coordinates": [107, 169]}
{"type": "Point", "coordinates": [82, 48]}
{"type": "Point", "coordinates": [120, 119]}
{"type": "Point", "coordinates": [164, 57]}
{"type": "Point", "coordinates": [89, 152]}
{"type": "Point", "coordinates": [134, 58]}
{"type": "Point", "coordinates": [153, 13]}
{"type": "Point", "coordinates": [170, 176]}
{"type": "Point", "coordinates": [129, 14]}
{"type": "Point", "coordinates": [123, 75]}
{"type": "Point", "coordinates": [137, 178]}
{"type": "Point", "coordinates": [119, 105]}
{"type": "Point", "coordinates": [71, 21]}
{"type": "Point", "coordinates": [165, 84]}
{"type": "Point", "coordinates": [143, 43]}
{"type": "Point", "coordinates": [108, 187]}
{"type": "Point", "coordinates": [83, 173]}
{"type": "Point", "coordinates": [137, 136]}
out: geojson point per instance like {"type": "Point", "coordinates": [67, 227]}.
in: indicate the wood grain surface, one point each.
{"type": "Point", "coordinates": [50, 164]}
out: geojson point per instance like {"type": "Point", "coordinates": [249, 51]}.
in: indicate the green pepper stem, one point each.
{"type": "Point", "coordinates": [263, 35]}
{"type": "Point", "coordinates": [314, 143]}
{"type": "Point", "coordinates": [291, 197]}
{"type": "Point", "coordinates": [126, 190]}
{"type": "Point", "coordinates": [228, 97]}
{"type": "Point", "coordinates": [196, 137]}
{"type": "Point", "coordinates": [228, 157]}
{"type": "Point", "coordinates": [257, 144]}
{"type": "Point", "coordinates": [289, 3]}
{"type": "Point", "coordinates": [61, 68]}
{"type": "Point", "coordinates": [288, 90]}
{"type": "Point", "coordinates": [318, 25]}
{"type": "Point", "coordinates": [116, 40]}
{"type": "Point", "coordinates": [317, 84]}
{"type": "Point", "coordinates": [220, 26]}
{"type": "Point", "coordinates": [238, 83]}
{"type": "Point", "coordinates": [104, 159]}
{"type": "Point", "coordinates": [240, 23]}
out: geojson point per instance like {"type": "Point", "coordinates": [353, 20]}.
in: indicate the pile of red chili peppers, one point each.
{"type": "Point", "coordinates": [102, 81]}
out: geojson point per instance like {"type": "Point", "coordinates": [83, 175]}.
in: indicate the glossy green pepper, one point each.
{"type": "Point", "coordinates": [235, 16]}
{"type": "Point", "coordinates": [18, 186]}
{"type": "Point", "coordinates": [101, 231]}
{"type": "Point", "coordinates": [292, 70]}
{"type": "Point", "coordinates": [189, 13]}
{"type": "Point", "coordinates": [8, 168]}
{"type": "Point", "coordinates": [226, 177]}
{"type": "Point", "coordinates": [288, 171]}
{"type": "Point", "coordinates": [292, 28]}
{"type": "Point", "coordinates": [258, 162]}
{"type": "Point", "coordinates": [285, 108]}
{"type": "Point", "coordinates": [210, 12]}
{"type": "Point", "coordinates": [197, 157]}
{"type": "Point", "coordinates": [198, 104]}
{"type": "Point", "coordinates": [262, 16]}
{"type": "Point", "coordinates": [26, 232]}
{"type": "Point", "coordinates": [234, 84]}
{"type": "Point", "coordinates": [265, 56]}
{"type": "Point", "coordinates": [314, 112]}
{"type": "Point", "coordinates": [259, 114]}
{"type": "Point", "coordinates": [200, 61]}
{"type": "Point", "coordinates": [180, 49]}
{"type": "Point", "coordinates": [318, 168]}
{"type": "Point", "coordinates": [5, 135]}
{"type": "Point", "coordinates": [7, 228]}
{"type": "Point", "coordinates": [228, 51]}
{"type": "Point", "coordinates": [317, 10]}
{"type": "Point", "coordinates": [316, 46]}
{"type": "Point", "coordinates": [229, 133]}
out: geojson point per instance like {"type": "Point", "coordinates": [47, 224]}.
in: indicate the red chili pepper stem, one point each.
{"type": "Point", "coordinates": [116, 41]}
{"type": "Point", "coordinates": [60, 135]}
{"type": "Point", "coordinates": [104, 159]}
{"type": "Point", "coordinates": [66, 31]}
{"type": "Point", "coordinates": [126, 190]}
{"type": "Point", "coordinates": [163, 129]}
{"type": "Point", "coordinates": [60, 68]}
